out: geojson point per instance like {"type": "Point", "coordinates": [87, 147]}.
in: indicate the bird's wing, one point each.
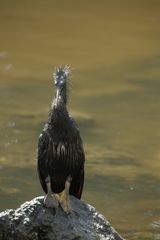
{"type": "Point", "coordinates": [42, 158]}
{"type": "Point", "coordinates": [78, 180]}
{"type": "Point", "coordinates": [74, 123]}
{"type": "Point", "coordinates": [78, 185]}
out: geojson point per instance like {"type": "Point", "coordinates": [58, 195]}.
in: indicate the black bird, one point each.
{"type": "Point", "coordinates": [60, 149]}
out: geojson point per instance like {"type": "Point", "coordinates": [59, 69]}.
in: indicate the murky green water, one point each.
{"type": "Point", "coordinates": [114, 48]}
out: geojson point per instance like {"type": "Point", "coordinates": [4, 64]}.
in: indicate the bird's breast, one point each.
{"type": "Point", "coordinates": [64, 156]}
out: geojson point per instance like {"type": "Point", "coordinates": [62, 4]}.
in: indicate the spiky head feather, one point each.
{"type": "Point", "coordinates": [61, 74]}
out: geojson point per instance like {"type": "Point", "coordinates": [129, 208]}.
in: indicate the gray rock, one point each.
{"type": "Point", "coordinates": [32, 221]}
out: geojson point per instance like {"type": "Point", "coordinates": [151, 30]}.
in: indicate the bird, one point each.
{"type": "Point", "coordinates": [61, 157]}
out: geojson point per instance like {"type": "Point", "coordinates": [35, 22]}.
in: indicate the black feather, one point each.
{"type": "Point", "coordinates": [60, 149]}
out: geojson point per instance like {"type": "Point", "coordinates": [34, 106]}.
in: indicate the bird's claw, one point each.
{"type": "Point", "coordinates": [66, 207]}
{"type": "Point", "coordinates": [50, 201]}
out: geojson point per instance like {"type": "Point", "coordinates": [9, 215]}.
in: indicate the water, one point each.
{"type": "Point", "coordinates": [113, 47]}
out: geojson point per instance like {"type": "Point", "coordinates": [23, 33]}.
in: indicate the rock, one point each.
{"type": "Point", "coordinates": [32, 221]}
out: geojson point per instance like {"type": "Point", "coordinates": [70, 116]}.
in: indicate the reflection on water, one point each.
{"type": "Point", "coordinates": [114, 50]}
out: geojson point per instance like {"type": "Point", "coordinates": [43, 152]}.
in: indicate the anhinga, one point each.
{"type": "Point", "coordinates": [60, 150]}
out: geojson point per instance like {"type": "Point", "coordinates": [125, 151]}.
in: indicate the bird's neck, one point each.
{"type": "Point", "coordinates": [62, 95]}
{"type": "Point", "coordinates": [59, 116]}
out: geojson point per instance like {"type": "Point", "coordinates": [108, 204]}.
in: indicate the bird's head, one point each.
{"type": "Point", "coordinates": [61, 76]}
{"type": "Point", "coordinates": [61, 81]}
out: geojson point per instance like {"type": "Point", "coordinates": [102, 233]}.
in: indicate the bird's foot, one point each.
{"type": "Point", "coordinates": [64, 202]}
{"type": "Point", "coordinates": [50, 201]}
{"type": "Point", "coordinates": [66, 206]}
